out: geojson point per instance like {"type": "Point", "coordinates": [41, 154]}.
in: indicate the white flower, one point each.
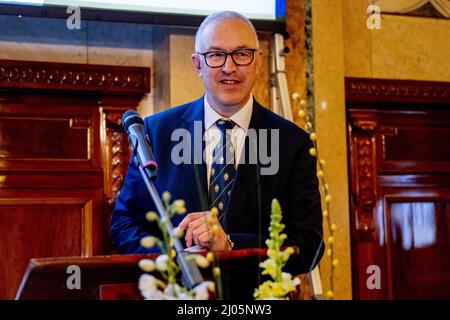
{"type": "Point", "coordinates": [201, 291]}
{"type": "Point", "coordinates": [162, 262]}
{"type": "Point", "coordinates": [184, 296]}
{"type": "Point", "coordinates": [270, 267]}
{"type": "Point", "coordinates": [173, 290]}
{"type": "Point", "coordinates": [288, 283]}
{"type": "Point", "coordinates": [147, 286]}
{"type": "Point", "coordinates": [154, 295]}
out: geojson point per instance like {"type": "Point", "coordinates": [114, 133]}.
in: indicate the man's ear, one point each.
{"type": "Point", "coordinates": [258, 58]}
{"type": "Point", "coordinates": [196, 64]}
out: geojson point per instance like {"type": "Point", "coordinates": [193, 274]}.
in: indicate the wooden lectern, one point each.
{"type": "Point", "coordinates": [116, 276]}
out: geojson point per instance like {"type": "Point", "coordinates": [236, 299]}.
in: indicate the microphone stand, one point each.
{"type": "Point", "coordinates": [191, 275]}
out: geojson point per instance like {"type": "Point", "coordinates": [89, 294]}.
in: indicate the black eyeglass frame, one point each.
{"type": "Point", "coordinates": [229, 54]}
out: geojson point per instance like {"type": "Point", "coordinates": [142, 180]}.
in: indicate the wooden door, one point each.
{"type": "Point", "coordinates": [399, 152]}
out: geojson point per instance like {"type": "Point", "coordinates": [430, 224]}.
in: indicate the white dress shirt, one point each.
{"type": "Point", "coordinates": [213, 135]}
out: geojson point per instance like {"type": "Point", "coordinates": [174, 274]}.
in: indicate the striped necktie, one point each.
{"type": "Point", "coordinates": [223, 172]}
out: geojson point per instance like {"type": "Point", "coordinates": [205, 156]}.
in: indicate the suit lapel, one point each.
{"type": "Point", "coordinates": [195, 172]}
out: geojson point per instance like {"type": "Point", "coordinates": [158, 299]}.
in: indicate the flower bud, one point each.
{"type": "Point", "coordinates": [166, 196]}
{"type": "Point", "coordinates": [147, 265]}
{"type": "Point", "coordinates": [302, 114]}
{"type": "Point", "coordinates": [210, 256]}
{"type": "Point", "coordinates": [312, 151]}
{"type": "Point", "coordinates": [201, 261]}
{"type": "Point", "coordinates": [179, 206]}
{"type": "Point", "coordinates": [216, 272]}
{"type": "Point", "coordinates": [151, 216]}
{"type": "Point", "coordinates": [215, 228]}
{"type": "Point", "coordinates": [289, 250]}
{"type": "Point", "coordinates": [214, 211]}
{"type": "Point", "coordinates": [177, 233]}
{"type": "Point", "coordinates": [148, 242]}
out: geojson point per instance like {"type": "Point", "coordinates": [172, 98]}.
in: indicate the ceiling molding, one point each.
{"type": "Point", "coordinates": [423, 8]}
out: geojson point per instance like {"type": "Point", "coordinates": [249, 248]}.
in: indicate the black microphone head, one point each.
{"type": "Point", "coordinates": [131, 117]}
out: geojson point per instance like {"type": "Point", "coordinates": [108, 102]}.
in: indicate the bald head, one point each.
{"type": "Point", "coordinates": [220, 17]}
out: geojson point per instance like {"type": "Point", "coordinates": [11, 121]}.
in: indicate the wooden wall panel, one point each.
{"type": "Point", "coordinates": [418, 243]}
{"type": "Point", "coordinates": [41, 227]}
{"type": "Point", "coordinates": [63, 156]}
{"type": "Point", "coordinates": [398, 135]}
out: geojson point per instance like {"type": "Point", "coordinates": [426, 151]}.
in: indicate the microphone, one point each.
{"type": "Point", "coordinates": [140, 143]}
{"type": "Point", "coordinates": [134, 126]}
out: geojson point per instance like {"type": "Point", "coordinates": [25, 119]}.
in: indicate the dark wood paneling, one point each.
{"type": "Point", "coordinates": [371, 91]}
{"type": "Point", "coordinates": [27, 138]}
{"type": "Point", "coordinates": [422, 144]}
{"type": "Point", "coordinates": [83, 77]}
{"type": "Point", "coordinates": [63, 156]}
{"type": "Point", "coordinates": [399, 133]}
{"type": "Point", "coordinates": [418, 244]}
{"type": "Point", "coordinates": [39, 133]}
{"type": "Point", "coordinates": [39, 228]}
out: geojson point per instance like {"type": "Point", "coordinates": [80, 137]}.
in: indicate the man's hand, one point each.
{"type": "Point", "coordinates": [204, 229]}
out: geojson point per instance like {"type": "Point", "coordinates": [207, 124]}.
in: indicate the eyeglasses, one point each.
{"type": "Point", "coordinates": [217, 59]}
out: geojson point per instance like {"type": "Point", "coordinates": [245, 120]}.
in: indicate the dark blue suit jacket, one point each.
{"type": "Point", "coordinates": [248, 214]}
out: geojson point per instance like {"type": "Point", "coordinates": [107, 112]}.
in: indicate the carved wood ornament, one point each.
{"type": "Point", "coordinates": [363, 152]}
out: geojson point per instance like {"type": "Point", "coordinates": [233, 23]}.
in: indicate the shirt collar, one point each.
{"type": "Point", "coordinates": [241, 118]}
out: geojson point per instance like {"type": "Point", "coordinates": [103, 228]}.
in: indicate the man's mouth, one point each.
{"type": "Point", "coordinates": [230, 81]}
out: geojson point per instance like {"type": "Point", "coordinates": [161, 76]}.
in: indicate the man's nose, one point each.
{"type": "Point", "coordinates": [229, 65]}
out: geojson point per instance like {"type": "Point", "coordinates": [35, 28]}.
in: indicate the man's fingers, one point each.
{"type": "Point", "coordinates": [205, 238]}
{"type": "Point", "coordinates": [197, 232]}
{"type": "Point", "coordinates": [194, 224]}
{"type": "Point", "coordinates": [188, 235]}
{"type": "Point", "coordinates": [190, 228]}
{"type": "Point", "coordinates": [189, 218]}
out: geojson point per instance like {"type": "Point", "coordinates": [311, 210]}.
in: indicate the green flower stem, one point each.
{"type": "Point", "coordinates": [328, 218]}
{"type": "Point", "coordinates": [217, 279]}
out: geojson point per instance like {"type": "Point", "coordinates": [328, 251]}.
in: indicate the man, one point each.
{"type": "Point", "coordinates": [228, 59]}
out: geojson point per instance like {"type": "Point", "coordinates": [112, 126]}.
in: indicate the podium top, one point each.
{"type": "Point", "coordinates": [51, 278]}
